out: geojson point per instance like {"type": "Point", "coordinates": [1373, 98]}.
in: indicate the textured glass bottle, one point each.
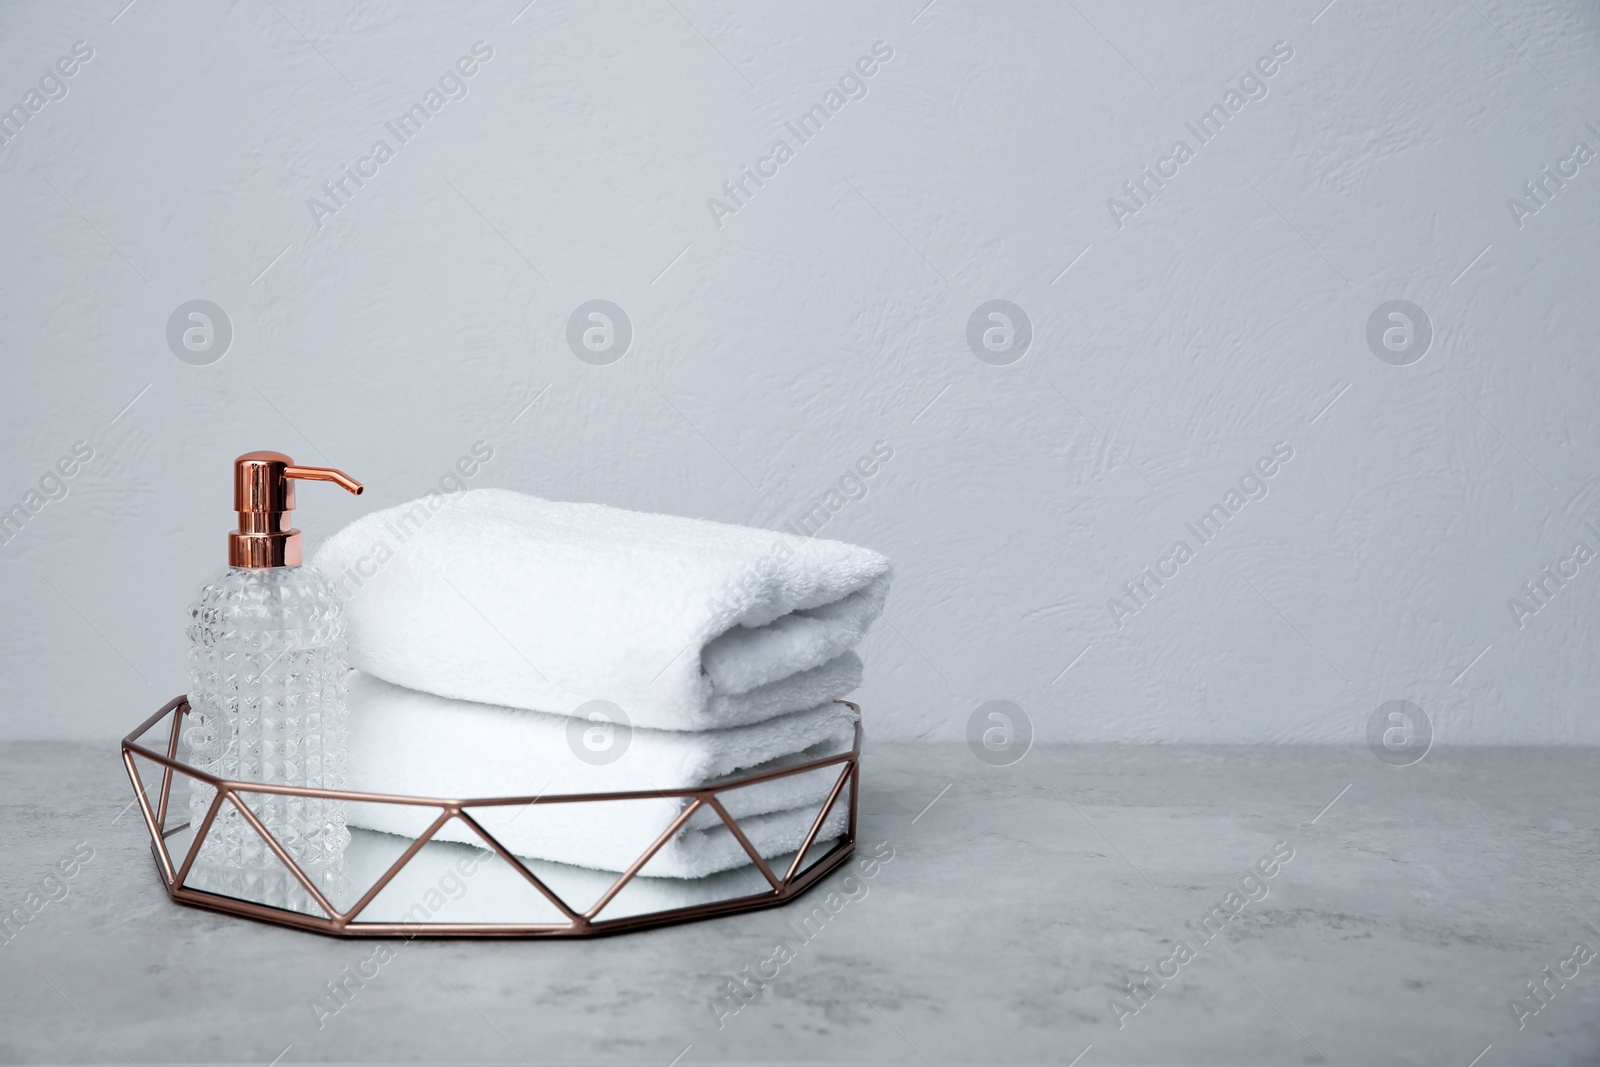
{"type": "Point", "coordinates": [267, 698]}
{"type": "Point", "coordinates": [267, 704]}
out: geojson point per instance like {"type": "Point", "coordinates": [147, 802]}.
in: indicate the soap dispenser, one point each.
{"type": "Point", "coordinates": [267, 693]}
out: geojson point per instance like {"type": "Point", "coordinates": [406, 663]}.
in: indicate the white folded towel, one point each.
{"type": "Point", "coordinates": [503, 598]}
{"type": "Point", "coordinates": [409, 742]}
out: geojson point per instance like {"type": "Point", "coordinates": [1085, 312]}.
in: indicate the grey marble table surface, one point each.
{"type": "Point", "coordinates": [1088, 905]}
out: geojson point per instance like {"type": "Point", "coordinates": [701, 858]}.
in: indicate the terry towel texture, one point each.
{"type": "Point", "coordinates": [503, 598]}
{"type": "Point", "coordinates": [405, 741]}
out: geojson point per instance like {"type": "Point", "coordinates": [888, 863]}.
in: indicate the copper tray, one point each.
{"type": "Point", "coordinates": [175, 871]}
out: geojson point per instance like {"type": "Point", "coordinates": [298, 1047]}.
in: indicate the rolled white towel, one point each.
{"type": "Point", "coordinates": [403, 741]}
{"type": "Point", "coordinates": [503, 598]}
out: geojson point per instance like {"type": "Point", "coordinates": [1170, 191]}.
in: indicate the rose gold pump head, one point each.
{"type": "Point", "coordinates": [263, 495]}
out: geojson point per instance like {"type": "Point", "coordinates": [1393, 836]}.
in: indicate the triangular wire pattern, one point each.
{"type": "Point", "coordinates": [458, 883]}
{"type": "Point", "coordinates": [517, 864]}
{"type": "Point", "coordinates": [773, 816]}
{"type": "Point", "coordinates": [147, 802]}
{"type": "Point", "coordinates": [759, 861]}
{"type": "Point", "coordinates": [588, 835]}
{"type": "Point", "coordinates": [164, 726]}
{"type": "Point", "coordinates": [267, 879]}
{"type": "Point", "coordinates": [655, 848]}
{"type": "Point", "coordinates": [816, 832]}
{"type": "Point", "coordinates": [381, 876]}
{"type": "Point", "coordinates": [631, 900]}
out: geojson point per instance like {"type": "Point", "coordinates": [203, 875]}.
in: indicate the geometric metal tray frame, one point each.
{"type": "Point", "coordinates": [589, 923]}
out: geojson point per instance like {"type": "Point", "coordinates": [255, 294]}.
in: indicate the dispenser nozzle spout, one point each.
{"type": "Point", "coordinates": [325, 474]}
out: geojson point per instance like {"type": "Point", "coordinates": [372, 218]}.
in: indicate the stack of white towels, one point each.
{"type": "Point", "coordinates": [489, 628]}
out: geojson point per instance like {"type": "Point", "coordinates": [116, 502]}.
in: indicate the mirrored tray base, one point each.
{"type": "Point", "coordinates": [386, 885]}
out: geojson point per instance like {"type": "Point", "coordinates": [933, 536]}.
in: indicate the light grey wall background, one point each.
{"type": "Point", "coordinates": [1226, 315]}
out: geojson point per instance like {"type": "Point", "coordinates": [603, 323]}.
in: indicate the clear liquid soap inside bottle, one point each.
{"type": "Point", "coordinates": [267, 697]}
